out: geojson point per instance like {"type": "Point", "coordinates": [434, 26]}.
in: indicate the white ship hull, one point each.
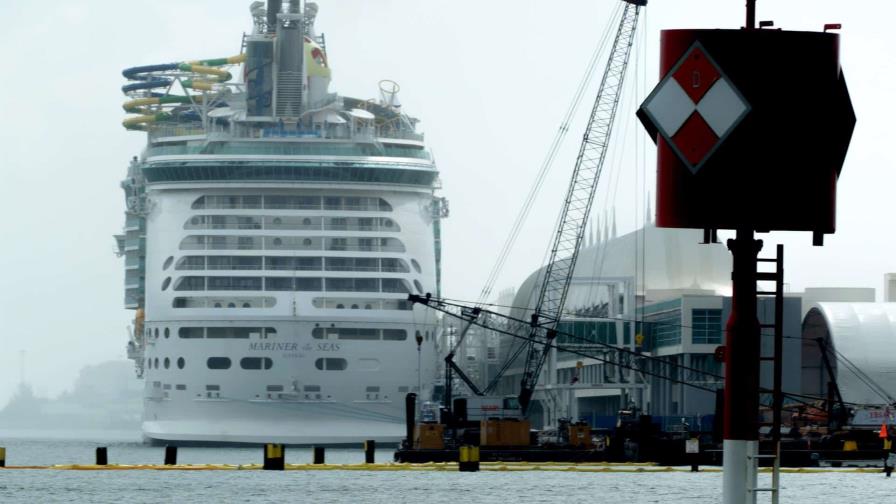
{"type": "Point", "coordinates": [294, 401]}
{"type": "Point", "coordinates": [274, 231]}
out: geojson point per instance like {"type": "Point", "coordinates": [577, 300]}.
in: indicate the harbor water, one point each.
{"type": "Point", "coordinates": [448, 486]}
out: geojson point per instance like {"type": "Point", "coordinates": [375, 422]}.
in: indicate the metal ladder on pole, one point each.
{"type": "Point", "coordinates": [776, 359]}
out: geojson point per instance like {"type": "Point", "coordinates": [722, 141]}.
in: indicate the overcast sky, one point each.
{"type": "Point", "coordinates": [490, 80]}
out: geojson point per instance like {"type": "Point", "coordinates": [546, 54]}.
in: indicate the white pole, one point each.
{"type": "Point", "coordinates": [738, 471]}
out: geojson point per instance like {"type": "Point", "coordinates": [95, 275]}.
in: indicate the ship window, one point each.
{"type": "Point", "coordinates": [403, 388]}
{"type": "Point", "coordinates": [368, 306]}
{"type": "Point", "coordinates": [155, 363]}
{"type": "Point", "coordinates": [217, 305]}
{"type": "Point", "coordinates": [371, 390]}
{"type": "Point", "coordinates": [331, 364]}
{"type": "Point", "coordinates": [395, 335]}
{"type": "Point", "coordinates": [191, 332]}
{"type": "Point", "coordinates": [167, 363]}
{"type": "Point", "coordinates": [167, 333]}
{"type": "Point", "coordinates": [369, 365]}
{"type": "Point", "coordinates": [278, 284]}
{"type": "Point", "coordinates": [232, 332]}
{"type": "Point", "coordinates": [180, 387]}
{"type": "Point", "coordinates": [190, 283]}
{"type": "Point", "coordinates": [180, 363]}
{"type": "Point", "coordinates": [156, 333]}
{"type": "Point", "coordinates": [278, 242]}
{"type": "Point", "coordinates": [395, 285]}
{"type": "Point", "coordinates": [354, 307]}
{"type": "Point", "coordinates": [340, 306]}
{"type": "Point", "coordinates": [247, 305]}
{"type": "Point", "coordinates": [168, 262]}
{"type": "Point", "coordinates": [309, 284]}
{"type": "Point", "coordinates": [306, 242]}
{"type": "Point", "coordinates": [166, 282]}
{"type": "Point", "coordinates": [306, 221]}
{"type": "Point", "coordinates": [256, 363]}
{"type": "Point", "coordinates": [234, 283]}
{"type": "Point", "coordinates": [212, 388]}
{"type": "Point", "coordinates": [218, 363]}
{"type": "Point", "coordinates": [418, 286]}
{"type": "Point", "coordinates": [416, 265]}
{"type": "Point", "coordinates": [275, 388]}
{"type": "Point", "coordinates": [190, 263]}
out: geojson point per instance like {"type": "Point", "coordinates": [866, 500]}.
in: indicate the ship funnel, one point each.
{"type": "Point", "coordinates": [290, 87]}
{"type": "Point", "coordinates": [274, 7]}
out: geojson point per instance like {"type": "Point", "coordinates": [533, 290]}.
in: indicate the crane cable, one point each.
{"type": "Point", "coordinates": [548, 161]}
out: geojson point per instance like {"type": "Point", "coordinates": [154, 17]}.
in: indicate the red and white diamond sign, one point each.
{"type": "Point", "coordinates": [695, 107]}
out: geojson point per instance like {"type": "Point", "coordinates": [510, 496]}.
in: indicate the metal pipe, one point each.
{"type": "Point", "coordinates": [751, 14]}
{"type": "Point", "coordinates": [274, 7]}
{"type": "Point", "coordinates": [742, 342]}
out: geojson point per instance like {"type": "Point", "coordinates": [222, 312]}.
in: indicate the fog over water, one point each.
{"type": "Point", "coordinates": [490, 81]}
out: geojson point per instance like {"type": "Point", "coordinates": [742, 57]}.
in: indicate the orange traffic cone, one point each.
{"type": "Point", "coordinates": [883, 431]}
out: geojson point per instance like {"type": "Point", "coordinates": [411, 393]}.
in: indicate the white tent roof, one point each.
{"type": "Point", "coordinates": [864, 333]}
{"type": "Point", "coordinates": [658, 259]}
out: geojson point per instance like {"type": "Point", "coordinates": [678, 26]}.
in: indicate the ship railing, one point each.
{"type": "Point", "coordinates": [163, 131]}
{"type": "Point", "coordinates": [399, 134]}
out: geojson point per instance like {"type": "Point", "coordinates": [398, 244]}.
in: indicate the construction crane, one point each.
{"type": "Point", "coordinates": [577, 204]}
{"type": "Point", "coordinates": [570, 231]}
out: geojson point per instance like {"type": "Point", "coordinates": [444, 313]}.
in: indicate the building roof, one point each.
{"type": "Point", "coordinates": [865, 335]}
{"type": "Point", "coordinates": [657, 260]}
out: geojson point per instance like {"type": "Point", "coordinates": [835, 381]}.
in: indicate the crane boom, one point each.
{"type": "Point", "coordinates": [577, 204]}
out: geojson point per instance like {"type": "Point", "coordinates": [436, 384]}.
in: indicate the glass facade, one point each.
{"type": "Point", "coordinates": [706, 326]}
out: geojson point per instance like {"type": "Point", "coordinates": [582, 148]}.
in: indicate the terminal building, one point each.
{"type": "Point", "coordinates": [663, 298]}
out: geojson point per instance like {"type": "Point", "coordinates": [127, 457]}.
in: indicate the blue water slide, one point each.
{"type": "Point", "coordinates": [139, 73]}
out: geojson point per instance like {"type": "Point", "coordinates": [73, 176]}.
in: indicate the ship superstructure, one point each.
{"type": "Point", "coordinates": [273, 232]}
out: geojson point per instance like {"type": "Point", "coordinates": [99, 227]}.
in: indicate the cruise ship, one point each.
{"type": "Point", "coordinates": [274, 230]}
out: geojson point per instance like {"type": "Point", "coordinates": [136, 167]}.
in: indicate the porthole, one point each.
{"type": "Point", "coordinates": [278, 221]}
{"type": "Point", "coordinates": [368, 307]}
{"type": "Point", "coordinates": [218, 363]}
{"type": "Point", "coordinates": [387, 223]}
{"type": "Point", "coordinates": [166, 282]}
{"type": "Point", "coordinates": [418, 286]}
{"type": "Point", "coordinates": [168, 262]}
{"type": "Point", "coordinates": [167, 363]}
{"type": "Point", "coordinates": [354, 307]}
{"type": "Point", "coordinates": [247, 305]}
{"type": "Point", "coordinates": [180, 363]}
{"type": "Point", "coordinates": [217, 305]}
{"type": "Point", "coordinates": [306, 242]}
{"type": "Point", "coordinates": [167, 333]}
{"type": "Point", "coordinates": [278, 242]}
{"type": "Point", "coordinates": [256, 363]}
{"type": "Point", "coordinates": [331, 364]}
{"type": "Point", "coordinates": [231, 305]}
{"type": "Point", "coordinates": [340, 306]}
{"type": "Point", "coordinates": [306, 221]}
{"type": "Point", "coordinates": [416, 265]}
